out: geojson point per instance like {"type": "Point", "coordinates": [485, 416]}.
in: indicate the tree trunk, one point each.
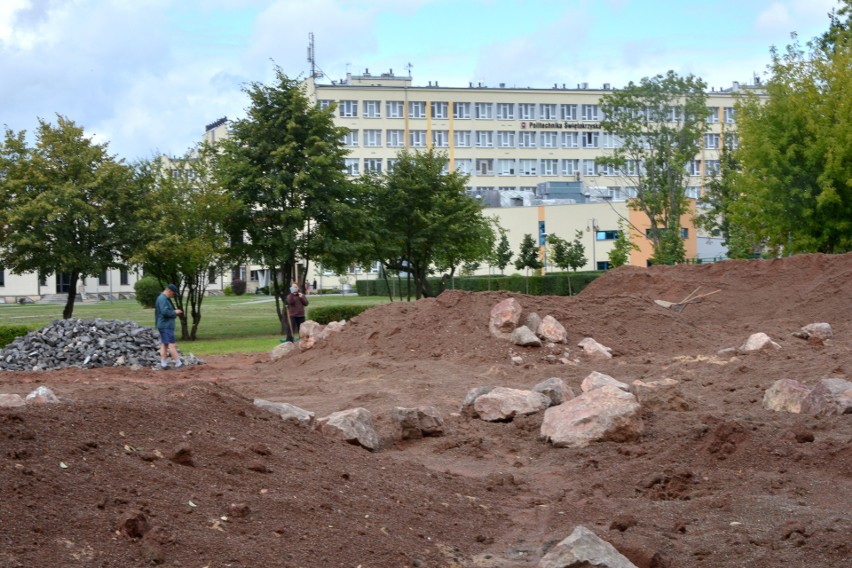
{"type": "Point", "coordinates": [72, 295]}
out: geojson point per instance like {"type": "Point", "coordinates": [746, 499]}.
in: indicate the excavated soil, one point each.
{"type": "Point", "coordinates": [142, 468]}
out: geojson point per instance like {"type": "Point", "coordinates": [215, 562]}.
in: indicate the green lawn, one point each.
{"type": "Point", "coordinates": [229, 324]}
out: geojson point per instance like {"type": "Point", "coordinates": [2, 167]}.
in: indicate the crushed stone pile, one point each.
{"type": "Point", "coordinates": [83, 343]}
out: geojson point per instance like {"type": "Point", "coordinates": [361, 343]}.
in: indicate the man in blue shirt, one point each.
{"type": "Point", "coordinates": [164, 316]}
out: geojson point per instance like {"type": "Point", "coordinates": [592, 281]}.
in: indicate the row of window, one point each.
{"type": "Point", "coordinates": [394, 138]}
{"type": "Point", "coordinates": [571, 167]}
{"type": "Point", "coordinates": [439, 110]}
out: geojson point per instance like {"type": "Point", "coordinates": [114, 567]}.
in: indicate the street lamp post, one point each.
{"type": "Point", "coordinates": [592, 226]}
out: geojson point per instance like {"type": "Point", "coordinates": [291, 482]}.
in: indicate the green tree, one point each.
{"type": "Point", "coordinates": [793, 190]}
{"type": "Point", "coordinates": [659, 123]}
{"type": "Point", "coordinates": [285, 163]}
{"type": "Point", "coordinates": [619, 255]}
{"type": "Point", "coordinates": [529, 257]}
{"type": "Point", "coordinates": [715, 207]}
{"type": "Point", "coordinates": [187, 229]}
{"type": "Point", "coordinates": [503, 253]}
{"type": "Point", "coordinates": [567, 255]}
{"type": "Point", "coordinates": [417, 219]}
{"type": "Point", "coordinates": [68, 206]}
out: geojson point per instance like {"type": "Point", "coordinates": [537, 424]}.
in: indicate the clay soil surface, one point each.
{"type": "Point", "coordinates": [142, 468]}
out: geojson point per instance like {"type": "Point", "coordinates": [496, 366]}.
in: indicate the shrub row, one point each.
{"type": "Point", "coordinates": [551, 284]}
{"type": "Point", "coordinates": [327, 314]}
{"type": "Point", "coordinates": [8, 333]}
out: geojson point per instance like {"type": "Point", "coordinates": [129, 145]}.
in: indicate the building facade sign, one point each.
{"type": "Point", "coordinates": [559, 125]}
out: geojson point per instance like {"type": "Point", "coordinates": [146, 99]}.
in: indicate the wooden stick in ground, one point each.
{"type": "Point", "coordinates": [703, 296]}
{"type": "Point", "coordinates": [690, 295]}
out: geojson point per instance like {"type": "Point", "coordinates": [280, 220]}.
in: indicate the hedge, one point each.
{"type": "Point", "coordinates": [551, 284]}
{"type": "Point", "coordinates": [327, 314]}
{"type": "Point", "coordinates": [8, 333]}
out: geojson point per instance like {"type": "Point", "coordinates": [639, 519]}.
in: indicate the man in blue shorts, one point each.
{"type": "Point", "coordinates": [165, 315]}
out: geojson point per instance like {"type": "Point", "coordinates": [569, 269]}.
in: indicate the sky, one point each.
{"type": "Point", "coordinates": [146, 76]}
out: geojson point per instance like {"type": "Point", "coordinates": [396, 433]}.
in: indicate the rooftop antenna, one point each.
{"type": "Point", "coordinates": [316, 72]}
{"type": "Point", "coordinates": [409, 66]}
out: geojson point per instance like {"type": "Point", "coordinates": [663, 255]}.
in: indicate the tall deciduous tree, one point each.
{"type": "Point", "coordinates": [619, 255]}
{"type": "Point", "coordinates": [529, 257]}
{"type": "Point", "coordinates": [794, 190]}
{"type": "Point", "coordinates": [417, 219]}
{"type": "Point", "coordinates": [68, 207]}
{"type": "Point", "coordinates": [186, 234]}
{"type": "Point", "coordinates": [284, 163]}
{"type": "Point", "coordinates": [659, 123]}
{"type": "Point", "coordinates": [503, 253]}
{"type": "Point", "coordinates": [567, 255]}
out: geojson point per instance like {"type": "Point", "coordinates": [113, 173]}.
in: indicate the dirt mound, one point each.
{"type": "Point", "coordinates": [179, 468]}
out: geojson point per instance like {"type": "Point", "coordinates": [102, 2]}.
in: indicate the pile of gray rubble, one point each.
{"type": "Point", "coordinates": [84, 343]}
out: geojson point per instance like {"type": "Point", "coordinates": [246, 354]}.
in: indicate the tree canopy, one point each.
{"type": "Point", "coordinates": [793, 190]}
{"type": "Point", "coordinates": [284, 163]}
{"type": "Point", "coordinates": [417, 219]}
{"type": "Point", "coordinates": [68, 206]}
{"type": "Point", "coordinates": [186, 228]}
{"type": "Point", "coordinates": [658, 123]}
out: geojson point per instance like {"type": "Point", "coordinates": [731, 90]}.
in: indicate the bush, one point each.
{"type": "Point", "coordinates": [327, 314]}
{"type": "Point", "coordinates": [147, 290]}
{"type": "Point", "coordinates": [239, 287]}
{"type": "Point", "coordinates": [8, 333]}
{"type": "Point", "coordinates": [228, 291]}
{"type": "Point", "coordinates": [551, 284]}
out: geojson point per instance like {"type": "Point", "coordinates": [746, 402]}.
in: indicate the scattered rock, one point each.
{"type": "Point", "coordinates": [596, 380]}
{"type": "Point", "coordinates": [354, 425]}
{"type": "Point", "coordinates": [504, 318]}
{"type": "Point", "coordinates": [816, 331]}
{"type": "Point", "coordinates": [503, 403]}
{"type": "Point", "coordinates": [785, 395]}
{"type": "Point", "coordinates": [551, 330]}
{"type": "Point", "coordinates": [282, 350]}
{"type": "Point", "coordinates": [11, 400]}
{"type": "Point", "coordinates": [757, 342]}
{"type": "Point", "coordinates": [829, 396]}
{"type": "Point", "coordinates": [42, 395]}
{"type": "Point", "coordinates": [664, 394]}
{"type": "Point", "coordinates": [288, 412]}
{"type": "Point", "coordinates": [605, 413]}
{"type": "Point", "coordinates": [595, 350]}
{"type": "Point", "coordinates": [415, 423]}
{"type": "Point", "coordinates": [581, 549]}
{"type": "Point", "coordinates": [555, 389]}
{"type": "Point", "coordinates": [524, 337]}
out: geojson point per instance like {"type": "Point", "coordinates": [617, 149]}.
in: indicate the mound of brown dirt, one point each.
{"type": "Point", "coordinates": [141, 468]}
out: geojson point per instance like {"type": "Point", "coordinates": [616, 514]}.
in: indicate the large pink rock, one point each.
{"type": "Point", "coordinates": [551, 330]}
{"type": "Point", "coordinates": [785, 395]}
{"type": "Point", "coordinates": [605, 413]}
{"type": "Point", "coordinates": [505, 316]}
{"type": "Point", "coordinates": [504, 403]}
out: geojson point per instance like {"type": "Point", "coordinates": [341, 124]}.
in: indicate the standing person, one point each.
{"type": "Point", "coordinates": [164, 316]}
{"type": "Point", "coordinates": [314, 286]}
{"type": "Point", "coordinates": [296, 302]}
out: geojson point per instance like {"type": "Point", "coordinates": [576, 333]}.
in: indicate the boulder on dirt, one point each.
{"type": "Point", "coordinates": [287, 412]}
{"type": "Point", "coordinates": [470, 398]}
{"type": "Point", "coordinates": [595, 350]}
{"type": "Point", "coordinates": [605, 413]}
{"type": "Point", "coordinates": [309, 333]}
{"type": "Point", "coordinates": [11, 400]}
{"type": "Point", "coordinates": [355, 425]}
{"type": "Point", "coordinates": [815, 331]}
{"type": "Point", "coordinates": [502, 404]}
{"type": "Point", "coordinates": [581, 549]}
{"type": "Point", "coordinates": [505, 316]}
{"type": "Point", "coordinates": [524, 337]}
{"type": "Point", "coordinates": [664, 394]}
{"type": "Point", "coordinates": [282, 350]}
{"type": "Point", "coordinates": [42, 395]}
{"type": "Point", "coordinates": [757, 342]}
{"type": "Point", "coordinates": [555, 389]}
{"type": "Point", "coordinates": [829, 396]}
{"type": "Point", "coordinates": [551, 330]}
{"type": "Point", "coordinates": [785, 395]}
{"type": "Point", "coordinates": [596, 380]}
{"type": "Point", "coordinates": [532, 321]}
{"type": "Point", "coordinates": [416, 423]}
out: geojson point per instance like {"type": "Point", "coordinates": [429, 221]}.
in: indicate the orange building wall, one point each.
{"type": "Point", "coordinates": [639, 220]}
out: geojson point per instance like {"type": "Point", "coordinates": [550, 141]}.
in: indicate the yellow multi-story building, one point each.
{"type": "Point", "coordinates": [521, 147]}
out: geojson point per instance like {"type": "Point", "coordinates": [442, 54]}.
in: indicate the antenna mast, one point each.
{"type": "Point", "coordinates": [311, 55]}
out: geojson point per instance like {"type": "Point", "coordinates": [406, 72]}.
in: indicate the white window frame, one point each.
{"type": "Point", "coordinates": [416, 109]}
{"type": "Point", "coordinates": [395, 138]}
{"type": "Point", "coordinates": [527, 167]}
{"type": "Point", "coordinates": [568, 111]}
{"type": "Point", "coordinates": [440, 110]}
{"type": "Point", "coordinates": [505, 166]}
{"type": "Point", "coordinates": [526, 139]}
{"type": "Point", "coordinates": [462, 138]}
{"type": "Point", "coordinates": [526, 111]}
{"type": "Point", "coordinates": [505, 138]}
{"type": "Point", "coordinates": [372, 138]}
{"type": "Point", "coordinates": [549, 139]}
{"type": "Point", "coordinates": [591, 113]}
{"type": "Point", "coordinates": [711, 141]}
{"type": "Point", "coordinates": [570, 139]}
{"type": "Point", "coordinates": [395, 109]}
{"type": "Point", "coordinates": [505, 111]}
{"type": "Point", "coordinates": [570, 167]}
{"type": "Point", "coordinates": [461, 111]}
{"type": "Point", "coordinates": [373, 165]}
{"type": "Point", "coordinates": [372, 109]}
{"type": "Point", "coordinates": [484, 138]}
{"type": "Point", "coordinates": [483, 111]}
{"type": "Point", "coordinates": [350, 139]}
{"type": "Point", "coordinates": [440, 138]}
{"type": "Point", "coordinates": [464, 166]}
{"type": "Point", "coordinates": [547, 111]}
{"type": "Point", "coordinates": [348, 109]}
{"type": "Point", "coordinates": [417, 138]}
{"type": "Point", "coordinates": [352, 166]}
{"type": "Point", "coordinates": [549, 167]}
